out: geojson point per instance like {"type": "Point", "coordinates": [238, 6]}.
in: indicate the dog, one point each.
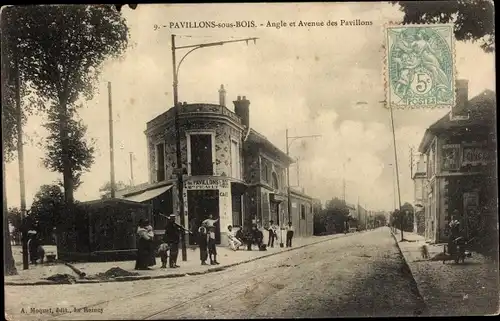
{"type": "Point", "coordinates": [41, 253]}
{"type": "Point", "coordinates": [163, 252]}
{"type": "Point", "coordinates": [424, 252]}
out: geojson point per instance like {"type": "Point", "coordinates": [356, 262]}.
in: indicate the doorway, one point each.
{"type": "Point", "coordinates": [275, 206]}
{"type": "Point", "coordinates": [202, 203]}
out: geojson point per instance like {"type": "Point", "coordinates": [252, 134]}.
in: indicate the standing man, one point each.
{"type": "Point", "coordinates": [234, 243]}
{"type": "Point", "coordinates": [212, 249]}
{"type": "Point", "coordinates": [289, 234]}
{"type": "Point", "coordinates": [171, 237]}
{"type": "Point", "coordinates": [455, 230]}
{"type": "Point", "coordinates": [272, 234]}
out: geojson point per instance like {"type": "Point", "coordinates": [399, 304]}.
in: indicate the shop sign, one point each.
{"type": "Point", "coordinates": [451, 157]}
{"type": "Point", "coordinates": [207, 184]}
{"type": "Point", "coordinates": [474, 155]}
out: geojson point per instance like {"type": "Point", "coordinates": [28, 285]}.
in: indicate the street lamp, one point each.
{"type": "Point", "coordinates": [289, 141]}
{"type": "Point", "coordinates": [179, 170]}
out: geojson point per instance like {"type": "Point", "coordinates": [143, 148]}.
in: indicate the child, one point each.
{"type": "Point", "coordinates": [163, 252]}
{"type": "Point", "coordinates": [203, 244]}
{"type": "Point", "coordinates": [212, 249]}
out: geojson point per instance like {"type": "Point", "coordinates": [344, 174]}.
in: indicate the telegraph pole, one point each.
{"type": "Point", "coordinates": [298, 172]}
{"type": "Point", "coordinates": [111, 151]}
{"type": "Point", "coordinates": [411, 162]}
{"type": "Point", "coordinates": [131, 169]}
{"type": "Point", "coordinates": [343, 184]}
{"type": "Point", "coordinates": [20, 157]}
{"type": "Point", "coordinates": [180, 171]}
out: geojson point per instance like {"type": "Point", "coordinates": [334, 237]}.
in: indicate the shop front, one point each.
{"type": "Point", "coordinates": [205, 196]}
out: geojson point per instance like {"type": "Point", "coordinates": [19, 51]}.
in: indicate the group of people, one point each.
{"type": "Point", "coordinates": [168, 249]}
{"type": "Point", "coordinates": [273, 233]}
{"type": "Point", "coordinates": [206, 240]}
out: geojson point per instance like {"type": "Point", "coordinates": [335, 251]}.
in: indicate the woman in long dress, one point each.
{"type": "Point", "coordinates": [144, 241]}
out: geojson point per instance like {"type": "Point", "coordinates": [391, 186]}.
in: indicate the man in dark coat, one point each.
{"type": "Point", "coordinates": [203, 244]}
{"type": "Point", "coordinates": [171, 237]}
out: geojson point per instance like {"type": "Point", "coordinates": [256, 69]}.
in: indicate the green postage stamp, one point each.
{"type": "Point", "coordinates": [420, 66]}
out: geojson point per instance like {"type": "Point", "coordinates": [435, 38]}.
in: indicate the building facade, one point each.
{"type": "Point", "coordinates": [419, 180]}
{"type": "Point", "coordinates": [460, 167]}
{"type": "Point", "coordinates": [231, 171]}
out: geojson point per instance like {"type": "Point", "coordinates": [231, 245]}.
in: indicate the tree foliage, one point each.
{"type": "Point", "coordinates": [403, 217]}
{"type": "Point", "coordinates": [80, 150]}
{"type": "Point", "coordinates": [61, 50]}
{"type": "Point", "coordinates": [47, 209]}
{"type": "Point", "coordinates": [473, 19]}
{"type": "Point", "coordinates": [14, 217]}
{"type": "Point", "coordinates": [331, 219]}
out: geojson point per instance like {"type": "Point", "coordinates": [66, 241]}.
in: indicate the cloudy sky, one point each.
{"type": "Point", "coordinates": [306, 79]}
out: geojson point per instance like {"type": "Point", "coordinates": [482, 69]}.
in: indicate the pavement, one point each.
{"type": "Point", "coordinates": [37, 274]}
{"type": "Point", "coordinates": [359, 275]}
{"type": "Point", "coordinates": [451, 289]}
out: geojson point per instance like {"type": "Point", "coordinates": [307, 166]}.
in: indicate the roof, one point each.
{"type": "Point", "coordinates": [140, 188]}
{"type": "Point", "coordinates": [108, 201]}
{"type": "Point", "coordinates": [148, 194]}
{"type": "Point", "coordinates": [257, 138]}
{"type": "Point", "coordinates": [299, 193]}
{"type": "Point", "coordinates": [480, 107]}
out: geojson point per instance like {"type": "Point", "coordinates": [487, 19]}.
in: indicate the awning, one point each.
{"type": "Point", "coordinates": [148, 194]}
{"type": "Point", "coordinates": [238, 187]}
{"type": "Point", "coordinates": [277, 198]}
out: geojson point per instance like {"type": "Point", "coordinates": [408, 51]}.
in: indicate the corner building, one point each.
{"type": "Point", "coordinates": [232, 172]}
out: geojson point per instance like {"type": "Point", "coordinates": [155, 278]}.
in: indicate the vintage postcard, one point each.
{"type": "Point", "coordinates": [267, 160]}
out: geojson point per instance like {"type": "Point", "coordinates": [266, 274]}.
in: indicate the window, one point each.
{"type": "Point", "coordinates": [265, 173]}
{"type": "Point", "coordinates": [302, 212]}
{"type": "Point", "coordinates": [200, 147]}
{"type": "Point", "coordinates": [160, 162]}
{"type": "Point", "coordinates": [235, 160]}
{"type": "Point", "coordinates": [275, 181]}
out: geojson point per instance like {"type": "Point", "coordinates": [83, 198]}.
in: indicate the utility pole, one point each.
{"type": "Point", "coordinates": [298, 172]}
{"type": "Point", "coordinates": [343, 184]}
{"type": "Point", "coordinates": [396, 163]}
{"type": "Point", "coordinates": [131, 168]}
{"type": "Point", "coordinates": [289, 141]}
{"type": "Point", "coordinates": [180, 171]}
{"type": "Point", "coordinates": [411, 162]}
{"type": "Point", "coordinates": [111, 151]}
{"type": "Point", "coordinates": [20, 157]}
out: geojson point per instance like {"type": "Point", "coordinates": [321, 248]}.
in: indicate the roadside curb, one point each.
{"type": "Point", "coordinates": [173, 275]}
{"type": "Point", "coordinates": [412, 273]}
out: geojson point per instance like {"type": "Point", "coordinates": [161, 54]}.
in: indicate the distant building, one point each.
{"type": "Point", "coordinates": [461, 166]}
{"type": "Point", "coordinates": [419, 180]}
{"type": "Point", "coordinates": [231, 171]}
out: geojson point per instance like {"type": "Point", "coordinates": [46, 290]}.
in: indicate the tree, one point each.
{"type": "Point", "coordinates": [81, 151]}
{"type": "Point", "coordinates": [105, 189]}
{"type": "Point", "coordinates": [10, 125]}
{"type": "Point", "coordinates": [61, 50]}
{"type": "Point", "coordinates": [47, 210]}
{"type": "Point", "coordinates": [14, 217]}
{"type": "Point", "coordinates": [332, 218]}
{"type": "Point", "coordinates": [403, 218]}
{"type": "Point", "coordinates": [473, 19]}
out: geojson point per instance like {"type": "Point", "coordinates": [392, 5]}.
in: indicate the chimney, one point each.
{"type": "Point", "coordinates": [222, 96]}
{"type": "Point", "coordinates": [241, 109]}
{"type": "Point", "coordinates": [462, 98]}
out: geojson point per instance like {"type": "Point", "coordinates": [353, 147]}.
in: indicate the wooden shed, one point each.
{"type": "Point", "coordinates": [101, 230]}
